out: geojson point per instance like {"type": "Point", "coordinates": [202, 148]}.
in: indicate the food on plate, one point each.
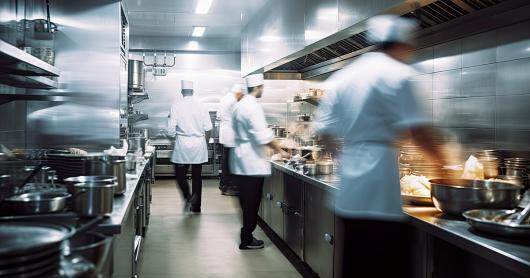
{"type": "Point", "coordinates": [415, 186]}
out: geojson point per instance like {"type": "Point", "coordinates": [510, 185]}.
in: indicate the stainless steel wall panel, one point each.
{"type": "Point", "coordinates": [422, 60]}
{"type": "Point", "coordinates": [427, 107]}
{"type": "Point", "coordinates": [470, 136]}
{"type": "Point", "coordinates": [513, 77]}
{"type": "Point", "coordinates": [513, 112]}
{"type": "Point", "coordinates": [479, 49]}
{"type": "Point", "coordinates": [13, 139]}
{"type": "Point", "coordinates": [479, 81]}
{"type": "Point", "coordinates": [88, 54]}
{"type": "Point", "coordinates": [477, 112]}
{"type": "Point", "coordinates": [444, 111]}
{"type": "Point", "coordinates": [13, 116]}
{"type": "Point", "coordinates": [422, 85]}
{"type": "Point", "coordinates": [513, 42]}
{"type": "Point", "coordinates": [507, 138]}
{"type": "Point", "coordinates": [448, 56]}
{"type": "Point", "coordinates": [355, 11]}
{"type": "Point", "coordinates": [321, 19]}
{"type": "Point", "coordinates": [446, 84]}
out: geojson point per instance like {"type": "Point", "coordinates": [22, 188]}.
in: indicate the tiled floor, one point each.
{"type": "Point", "coordinates": [205, 245]}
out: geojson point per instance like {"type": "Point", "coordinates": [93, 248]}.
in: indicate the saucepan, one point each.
{"type": "Point", "coordinates": [36, 202]}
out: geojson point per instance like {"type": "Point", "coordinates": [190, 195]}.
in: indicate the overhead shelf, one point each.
{"type": "Point", "coordinates": [5, 98]}
{"type": "Point", "coordinates": [138, 97]}
{"type": "Point", "coordinates": [311, 100]}
{"type": "Point", "coordinates": [18, 62]}
{"type": "Point", "coordinates": [30, 82]}
{"type": "Point", "coordinates": [134, 118]}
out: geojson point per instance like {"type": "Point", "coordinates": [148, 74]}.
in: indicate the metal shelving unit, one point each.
{"type": "Point", "coordinates": [21, 69]}
{"type": "Point", "coordinates": [134, 118]}
{"type": "Point", "coordinates": [137, 97]}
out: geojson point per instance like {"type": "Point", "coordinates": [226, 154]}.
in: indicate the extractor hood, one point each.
{"type": "Point", "coordinates": [429, 17]}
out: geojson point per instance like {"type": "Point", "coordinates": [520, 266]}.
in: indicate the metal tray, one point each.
{"type": "Point", "coordinates": [417, 200]}
{"type": "Point", "coordinates": [481, 220]}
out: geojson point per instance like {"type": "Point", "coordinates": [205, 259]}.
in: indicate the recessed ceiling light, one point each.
{"type": "Point", "coordinates": [198, 31]}
{"type": "Point", "coordinates": [203, 6]}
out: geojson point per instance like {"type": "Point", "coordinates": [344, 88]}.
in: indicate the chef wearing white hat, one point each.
{"type": "Point", "coordinates": [190, 121]}
{"type": "Point", "coordinates": [227, 137]}
{"type": "Point", "coordinates": [248, 160]}
{"type": "Point", "coordinates": [369, 103]}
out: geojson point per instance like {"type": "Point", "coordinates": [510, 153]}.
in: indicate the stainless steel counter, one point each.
{"type": "Point", "coordinates": [122, 204]}
{"type": "Point", "coordinates": [507, 253]}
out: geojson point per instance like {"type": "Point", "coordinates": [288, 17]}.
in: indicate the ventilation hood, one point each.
{"type": "Point", "coordinates": [431, 16]}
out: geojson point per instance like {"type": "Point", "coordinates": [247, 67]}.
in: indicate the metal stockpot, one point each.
{"type": "Point", "coordinates": [325, 167]}
{"type": "Point", "coordinates": [93, 199]}
{"type": "Point", "coordinates": [70, 182]}
{"type": "Point", "coordinates": [119, 171]}
{"type": "Point", "coordinates": [136, 143]}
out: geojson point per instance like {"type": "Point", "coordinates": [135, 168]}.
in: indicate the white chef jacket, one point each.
{"type": "Point", "coordinates": [226, 131]}
{"type": "Point", "coordinates": [189, 120]}
{"type": "Point", "coordinates": [368, 103]}
{"type": "Point", "coordinates": [249, 156]}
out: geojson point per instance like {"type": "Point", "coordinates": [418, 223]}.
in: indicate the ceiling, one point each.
{"type": "Point", "coordinates": [176, 18]}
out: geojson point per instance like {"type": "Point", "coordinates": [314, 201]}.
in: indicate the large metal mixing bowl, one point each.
{"type": "Point", "coordinates": [455, 196]}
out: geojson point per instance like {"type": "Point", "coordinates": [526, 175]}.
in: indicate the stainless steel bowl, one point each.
{"type": "Point", "coordinates": [92, 246]}
{"type": "Point", "coordinates": [455, 196]}
{"type": "Point", "coordinates": [37, 202]}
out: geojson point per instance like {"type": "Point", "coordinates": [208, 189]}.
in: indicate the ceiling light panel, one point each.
{"type": "Point", "coordinates": [198, 31]}
{"type": "Point", "coordinates": [203, 6]}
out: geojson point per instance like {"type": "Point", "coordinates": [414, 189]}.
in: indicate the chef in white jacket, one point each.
{"type": "Point", "coordinates": [190, 121]}
{"type": "Point", "coordinates": [248, 159]}
{"type": "Point", "coordinates": [369, 103]}
{"type": "Point", "coordinates": [227, 137]}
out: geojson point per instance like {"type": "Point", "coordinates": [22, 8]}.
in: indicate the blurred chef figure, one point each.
{"type": "Point", "coordinates": [226, 137]}
{"type": "Point", "coordinates": [190, 121]}
{"type": "Point", "coordinates": [369, 103]}
{"type": "Point", "coordinates": [248, 159]}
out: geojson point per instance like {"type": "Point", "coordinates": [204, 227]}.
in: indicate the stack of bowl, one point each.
{"type": "Point", "coordinates": [518, 167]}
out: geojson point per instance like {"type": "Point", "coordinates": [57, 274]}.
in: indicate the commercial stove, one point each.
{"type": "Point", "coordinates": [164, 167]}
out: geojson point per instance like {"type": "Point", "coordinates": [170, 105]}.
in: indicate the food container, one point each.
{"type": "Point", "coordinates": [325, 167]}
{"type": "Point", "coordinates": [93, 199]}
{"type": "Point", "coordinates": [130, 163]}
{"type": "Point", "coordinates": [455, 196]}
{"type": "Point", "coordinates": [310, 169]}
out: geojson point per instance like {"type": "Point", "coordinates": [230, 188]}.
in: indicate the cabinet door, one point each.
{"type": "Point", "coordinates": [266, 201]}
{"type": "Point", "coordinates": [277, 203]}
{"type": "Point", "coordinates": [319, 231]}
{"type": "Point", "coordinates": [293, 218]}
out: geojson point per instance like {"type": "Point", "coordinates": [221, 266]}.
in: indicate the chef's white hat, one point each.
{"type": "Point", "coordinates": [390, 28]}
{"type": "Point", "coordinates": [237, 88]}
{"type": "Point", "coordinates": [254, 80]}
{"type": "Point", "coordinates": [186, 85]}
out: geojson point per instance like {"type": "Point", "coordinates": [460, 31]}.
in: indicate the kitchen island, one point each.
{"type": "Point", "coordinates": [444, 246]}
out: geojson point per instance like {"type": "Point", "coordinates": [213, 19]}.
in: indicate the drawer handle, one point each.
{"type": "Point", "coordinates": [328, 238]}
{"type": "Point", "coordinates": [279, 204]}
{"type": "Point", "coordinates": [269, 196]}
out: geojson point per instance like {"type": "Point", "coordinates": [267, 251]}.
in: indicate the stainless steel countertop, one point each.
{"type": "Point", "coordinates": [513, 255]}
{"type": "Point", "coordinates": [123, 203]}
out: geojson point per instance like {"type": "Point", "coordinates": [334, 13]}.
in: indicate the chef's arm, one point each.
{"type": "Point", "coordinates": [427, 138]}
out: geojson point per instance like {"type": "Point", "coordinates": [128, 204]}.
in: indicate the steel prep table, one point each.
{"type": "Point", "coordinates": [445, 246]}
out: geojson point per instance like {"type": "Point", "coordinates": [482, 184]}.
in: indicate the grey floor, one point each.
{"type": "Point", "coordinates": [205, 245]}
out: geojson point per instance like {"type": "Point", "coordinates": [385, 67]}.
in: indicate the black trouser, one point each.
{"type": "Point", "coordinates": [181, 170]}
{"type": "Point", "coordinates": [250, 191]}
{"type": "Point", "coordinates": [225, 170]}
{"type": "Point", "coordinates": [375, 248]}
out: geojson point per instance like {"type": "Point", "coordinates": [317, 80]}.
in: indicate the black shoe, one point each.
{"type": "Point", "coordinates": [255, 244]}
{"type": "Point", "coordinates": [230, 192]}
{"type": "Point", "coordinates": [195, 210]}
